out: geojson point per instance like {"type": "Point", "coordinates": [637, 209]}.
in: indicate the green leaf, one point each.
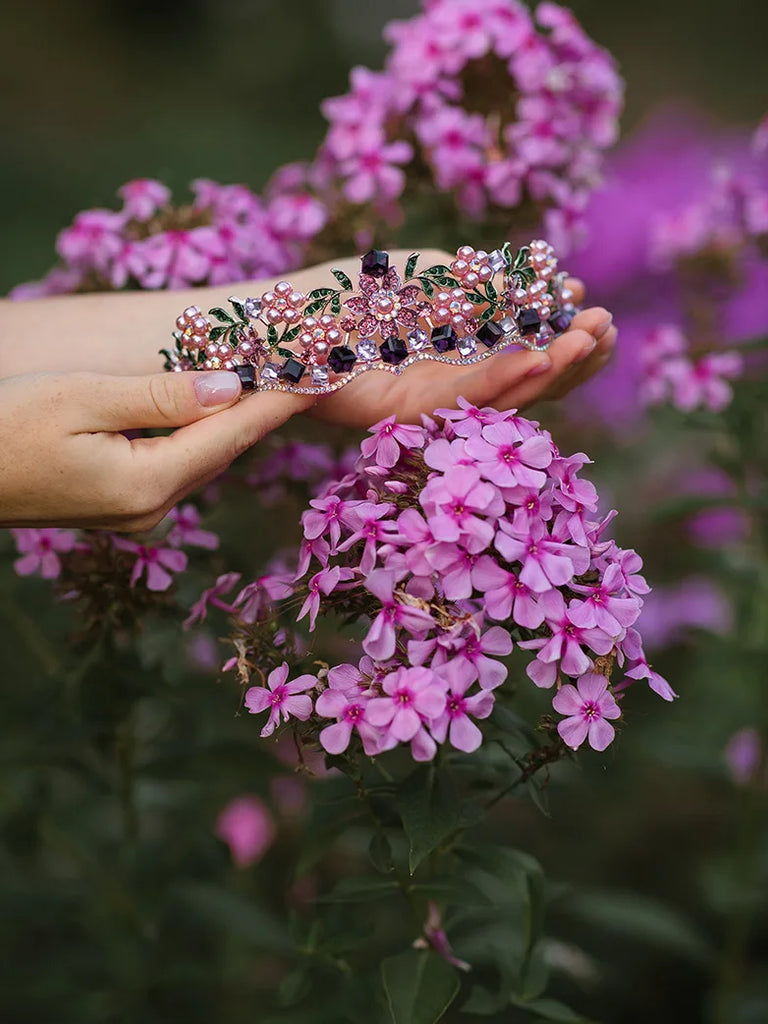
{"type": "Point", "coordinates": [477, 298]}
{"type": "Point", "coordinates": [318, 293]}
{"type": "Point", "coordinates": [217, 331]}
{"type": "Point", "coordinates": [427, 287]}
{"type": "Point", "coordinates": [522, 258]}
{"type": "Point", "coordinates": [410, 266]}
{"type": "Point", "coordinates": [239, 309]}
{"type": "Point", "coordinates": [486, 314]}
{"type": "Point", "coordinates": [491, 292]}
{"type": "Point", "coordinates": [437, 269]}
{"type": "Point", "coordinates": [237, 916]}
{"type": "Point", "coordinates": [419, 986]}
{"type": "Point", "coordinates": [446, 280]}
{"type": "Point", "coordinates": [221, 314]}
{"type": "Point", "coordinates": [290, 335]}
{"type": "Point", "coordinates": [453, 892]}
{"type": "Point", "coordinates": [429, 808]}
{"type": "Point", "coordinates": [316, 306]}
{"type": "Point", "coordinates": [285, 352]}
{"type": "Point", "coordinates": [550, 1010]}
{"type": "Point", "coordinates": [506, 250]}
{"type": "Point", "coordinates": [336, 304]}
{"type": "Point", "coordinates": [359, 890]}
{"type": "Point", "coordinates": [272, 338]}
{"type": "Point", "coordinates": [343, 280]}
{"type": "Point", "coordinates": [380, 853]}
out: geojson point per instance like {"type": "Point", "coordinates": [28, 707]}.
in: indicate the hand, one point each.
{"type": "Point", "coordinates": [64, 462]}
{"type": "Point", "coordinates": [513, 380]}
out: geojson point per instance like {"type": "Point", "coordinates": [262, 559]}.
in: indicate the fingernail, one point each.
{"type": "Point", "coordinates": [600, 331]}
{"type": "Point", "coordinates": [589, 346]}
{"type": "Point", "coordinates": [216, 387]}
{"type": "Point", "coordinates": [540, 367]}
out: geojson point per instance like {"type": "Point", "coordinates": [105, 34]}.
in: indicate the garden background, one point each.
{"type": "Point", "coordinates": [661, 854]}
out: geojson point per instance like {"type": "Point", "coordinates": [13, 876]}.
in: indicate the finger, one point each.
{"type": "Point", "coordinates": [565, 352]}
{"type": "Point", "coordinates": [485, 381]}
{"type": "Point", "coordinates": [582, 371]}
{"type": "Point", "coordinates": [209, 446]}
{"type": "Point", "coordinates": [577, 288]}
{"type": "Point", "coordinates": [107, 403]}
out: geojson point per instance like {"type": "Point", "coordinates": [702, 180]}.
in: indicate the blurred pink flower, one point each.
{"type": "Point", "coordinates": [246, 826]}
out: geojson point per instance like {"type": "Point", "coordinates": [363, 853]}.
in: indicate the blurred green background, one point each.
{"type": "Point", "coordinates": [92, 94]}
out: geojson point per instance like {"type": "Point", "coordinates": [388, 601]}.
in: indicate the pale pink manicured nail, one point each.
{"type": "Point", "coordinates": [600, 331]}
{"type": "Point", "coordinates": [216, 387]}
{"type": "Point", "coordinates": [542, 367]}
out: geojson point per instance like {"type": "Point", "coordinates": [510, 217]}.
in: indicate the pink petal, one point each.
{"type": "Point", "coordinates": [257, 699]}
{"type": "Point", "coordinates": [601, 733]}
{"type": "Point", "coordinates": [464, 734]}
{"type": "Point", "coordinates": [592, 686]}
{"type": "Point", "coordinates": [299, 706]}
{"type": "Point", "coordinates": [405, 724]}
{"type": "Point", "coordinates": [567, 700]}
{"type": "Point", "coordinates": [335, 738]}
{"type": "Point", "coordinates": [573, 731]}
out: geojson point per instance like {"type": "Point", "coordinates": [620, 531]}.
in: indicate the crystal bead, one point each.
{"type": "Point", "coordinates": [247, 374]}
{"type": "Point", "coordinates": [366, 349]}
{"type": "Point", "coordinates": [319, 376]}
{"type": "Point", "coordinates": [508, 325]}
{"type": "Point", "coordinates": [375, 263]}
{"type": "Point", "coordinates": [417, 339]}
{"type": "Point", "coordinates": [443, 338]}
{"type": "Point", "coordinates": [292, 370]}
{"type": "Point", "coordinates": [496, 260]}
{"type": "Point", "coordinates": [528, 321]}
{"type": "Point", "coordinates": [270, 372]}
{"type": "Point", "coordinates": [489, 333]}
{"type": "Point", "coordinates": [341, 359]}
{"type": "Point", "coordinates": [467, 346]}
{"type": "Point", "coordinates": [559, 321]}
{"type": "Point", "coordinates": [252, 308]}
{"type": "Point", "coordinates": [393, 351]}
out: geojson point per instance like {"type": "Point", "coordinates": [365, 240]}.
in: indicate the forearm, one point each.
{"type": "Point", "coordinates": [119, 332]}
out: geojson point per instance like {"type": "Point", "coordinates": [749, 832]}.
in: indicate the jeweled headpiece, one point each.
{"type": "Point", "coordinates": [316, 343]}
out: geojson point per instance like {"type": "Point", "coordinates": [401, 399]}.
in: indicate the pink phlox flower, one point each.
{"type": "Point", "coordinates": [588, 706]}
{"type": "Point", "coordinates": [143, 197]}
{"type": "Point", "coordinates": [324, 517]}
{"type": "Point", "coordinates": [92, 241]}
{"type": "Point", "coordinates": [566, 644]}
{"type": "Point", "coordinates": [435, 938]}
{"type": "Point", "coordinates": [472, 653]}
{"type": "Point", "coordinates": [631, 563]}
{"type": "Point", "coordinates": [412, 696]}
{"type": "Point", "coordinates": [503, 457]}
{"type": "Point", "coordinates": [414, 535]}
{"type": "Point", "coordinates": [453, 503]}
{"type": "Point", "coordinates": [156, 562]}
{"type": "Point", "coordinates": [505, 595]}
{"type": "Point", "coordinates": [533, 505]}
{"type": "Point", "coordinates": [284, 700]}
{"type": "Point", "coordinates": [703, 383]}
{"type": "Point", "coordinates": [309, 549]}
{"type": "Point", "coordinates": [468, 419]}
{"type": "Point", "coordinates": [455, 722]}
{"type": "Point", "coordinates": [323, 582]}
{"type": "Point", "coordinates": [380, 640]}
{"type": "Point", "coordinates": [456, 141]}
{"type": "Point", "coordinates": [443, 455]}
{"type": "Point", "coordinates": [40, 550]}
{"type": "Point", "coordinates": [186, 530]}
{"type": "Point", "coordinates": [454, 568]}
{"type": "Point", "coordinates": [545, 562]}
{"type": "Point", "coordinates": [346, 699]}
{"type": "Point", "coordinates": [372, 172]}
{"type": "Point", "coordinates": [640, 669]}
{"type": "Point", "coordinates": [605, 606]}
{"type": "Point", "coordinates": [365, 520]}
{"type": "Point", "coordinates": [212, 596]}
{"type": "Point", "coordinates": [388, 437]}
{"type": "Point", "coordinates": [247, 827]}
{"type": "Point", "coordinates": [257, 597]}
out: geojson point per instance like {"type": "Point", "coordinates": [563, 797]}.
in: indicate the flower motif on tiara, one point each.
{"type": "Point", "coordinates": [385, 305]}
{"type": "Point", "coordinates": [472, 267]}
{"type": "Point", "coordinates": [282, 305]}
{"type": "Point", "coordinates": [454, 308]}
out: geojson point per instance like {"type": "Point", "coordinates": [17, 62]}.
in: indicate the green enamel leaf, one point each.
{"type": "Point", "coordinates": [239, 309]}
{"type": "Point", "coordinates": [316, 306]}
{"type": "Point", "coordinates": [290, 335]}
{"type": "Point", "coordinates": [522, 258]}
{"type": "Point", "coordinates": [285, 352]}
{"type": "Point", "coordinates": [272, 338]}
{"type": "Point", "coordinates": [486, 314]}
{"type": "Point", "coordinates": [427, 287]}
{"type": "Point", "coordinates": [506, 250]}
{"type": "Point", "coordinates": [436, 270]}
{"type": "Point", "coordinates": [343, 280]}
{"type": "Point", "coordinates": [410, 266]}
{"type": "Point", "coordinates": [477, 298]}
{"type": "Point", "coordinates": [491, 292]}
{"type": "Point", "coordinates": [218, 331]}
{"type": "Point", "coordinates": [451, 282]}
{"type": "Point", "coordinates": [221, 314]}
{"type": "Point", "coordinates": [318, 293]}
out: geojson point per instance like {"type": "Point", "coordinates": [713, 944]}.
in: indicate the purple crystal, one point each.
{"type": "Point", "coordinates": [489, 333]}
{"type": "Point", "coordinates": [341, 359]}
{"type": "Point", "coordinates": [529, 321]}
{"type": "Point", "coordinates": [417, 339]}
{"type": "Point", "coordinates": [252, 308]}
{"type": "Point", "coordinates": [496, 260]}
{"type": "Point", "coordinates": [319, 376]}
{"type": "Point", "coordinates": [270, 372]}
{"type": "Point", "coordinates": [375, 263]}
{"type": "Point", "coordinates": [366, 349]}
{"type": "Point", "coordinates": [247, 375]}
{"type": "Point", "coordinates": [292, 370]}
{"type": "Point", "coordinates": [467, 346]}
{"type": "Point", "coordinates": [443, 338]}
{"type": "Point", "coordinates": [393, 351]}
{"type": "Point", "coordinates": [560, 321]}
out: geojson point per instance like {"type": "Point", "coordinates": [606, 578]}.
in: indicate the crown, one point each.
{"type": "Point", "coordinates": [317, 342]}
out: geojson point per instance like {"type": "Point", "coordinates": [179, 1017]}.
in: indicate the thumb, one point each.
{"type": "Point", "coordinates": [160, 400]}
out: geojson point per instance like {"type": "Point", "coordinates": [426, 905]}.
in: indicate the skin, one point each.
{"type": "Point", "coordinates": [65, 462]}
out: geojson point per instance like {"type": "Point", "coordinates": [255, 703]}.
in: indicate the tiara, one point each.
{"type": "Point", "coordinates": [315, 343]}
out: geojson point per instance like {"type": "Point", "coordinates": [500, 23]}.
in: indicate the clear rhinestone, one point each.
{"type": "Point", "coordinates": [319, 376]}
{"type": "Point", "coordinates": [508, 325]}
{"type": "Point", "coordinates": [252, 308]}
{"type": "Point", "coordinates": [496, 260]}
{"type": "Point", "coordinates": [270, 372]}
{"type": "Point", "coordinates": [467, 345]}
{"type": "Point", "coordinates": [366, 349]}
{"type": "Point", "coordinates": [417, 339]}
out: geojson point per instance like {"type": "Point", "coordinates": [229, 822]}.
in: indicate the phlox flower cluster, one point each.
{"type": "Point", "coordinates": [498, 105]}
{"type": "Point", "coordinates": [154, 564]}
{"type": "Point", "coordinates": [668, 373]}
{"type": "Point", "coordinates": [227, 233]}
{"type": "Point", "coordinates": [455, 543]}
